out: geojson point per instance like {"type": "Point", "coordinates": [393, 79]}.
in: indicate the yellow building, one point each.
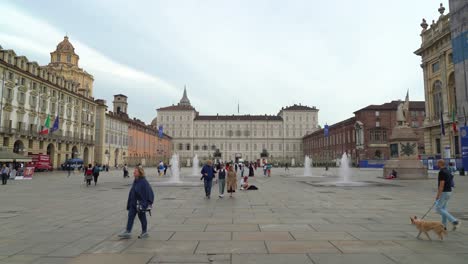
{"type": "Point", "coordinates": [64, 61]}
{"type": "Point", "coordinates": [29, 94]}
{"type": "Point", "coordinates": [439, 87]}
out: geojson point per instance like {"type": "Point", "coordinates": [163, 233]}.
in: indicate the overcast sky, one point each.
{"type": "Point", "coordinates": [337, 55]}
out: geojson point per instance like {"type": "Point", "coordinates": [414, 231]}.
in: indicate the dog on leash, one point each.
{"type": "Point", "coordinates": [426, 226]}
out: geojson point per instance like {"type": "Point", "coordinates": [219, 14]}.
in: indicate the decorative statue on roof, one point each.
{"type": "Point", "coordinates": [403, 111]}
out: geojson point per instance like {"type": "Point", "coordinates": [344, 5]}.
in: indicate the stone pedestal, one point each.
{"type": "Point", "coordinates": [404, 155]}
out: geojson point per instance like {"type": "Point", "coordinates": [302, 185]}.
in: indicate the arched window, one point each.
{"type": "Point", "coordinates": [437, 99]}
{"type": "Point", "coordinates": [452, 92]}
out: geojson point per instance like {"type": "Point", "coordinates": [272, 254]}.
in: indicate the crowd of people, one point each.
{"type": "Point", "coordinates": [227, 177]}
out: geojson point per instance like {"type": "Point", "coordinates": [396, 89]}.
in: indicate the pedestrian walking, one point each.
{"type": "Point", "coordinates": [269, 166]}
{"type": "Point", "coordinates": [88, 174]}
{"type": "Point", "coordinates": [161, 168]}
{"type": "Point", "coordinates": [264, 169]}
{"type": "Point", "coordinates": [68, 168]}
{"type": "Point", "coordinates": [444, 192]}
{"type": "Point", "coordinates": [251, 170]}
{"type": "Point", "coordinates": [5, 174]}
{"type": "Point", "coordinates": [286, 167]}
{"type": "Point", "coordinates": [125, 171]}
{"type": "Point", "coordinates": [208, 174]}
{"type": "Point", "coordinates": [222, 180]}
{"type": "Point", "coordinates": [140, 200]}
{"type": "Point", "coordinates": [96, 170]}
{"type": "Point", "coordinates": [231, 184]}
{"type": "Point", "coordinates": [165, 169]}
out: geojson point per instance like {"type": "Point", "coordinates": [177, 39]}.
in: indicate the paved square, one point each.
{"type": "Point", "coordinates": [55, 219]}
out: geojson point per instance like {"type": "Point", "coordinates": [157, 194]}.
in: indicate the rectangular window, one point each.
{"type": "Point", "coordinates": [6, 141]}
{"type": "Point", "coordinates": [377, 124]}
{"type": "Point", "coordinates": [377, 113]}
{"type": "Point", "coordinates": [456, 142]}
{"type": "Point", "coordinates": [438, 147]}
{"type": "Point", "coordinates": [435, 67]}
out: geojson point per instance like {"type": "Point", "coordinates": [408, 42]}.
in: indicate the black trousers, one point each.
{"type": "Point", "coordinates": [4, 178]}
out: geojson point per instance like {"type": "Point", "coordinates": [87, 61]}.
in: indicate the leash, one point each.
{"type": "Point", "coordinates": [429, 210]}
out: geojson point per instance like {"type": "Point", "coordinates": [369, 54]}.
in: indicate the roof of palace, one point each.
{"type": "Point", "coordinates": [239, 117]}
{"type": "Point", "coordinates": [177, 108]}
{"type": "Point", "coordinates": [299, 107]}
{"type": "Point", "coordinates": [393, 105]}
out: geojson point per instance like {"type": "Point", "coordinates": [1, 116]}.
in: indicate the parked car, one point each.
{"type": "Point", "coordinates": [74, 163]}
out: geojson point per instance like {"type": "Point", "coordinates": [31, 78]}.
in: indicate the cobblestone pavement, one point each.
{"type": "Point", "coordinates": [55, 219]}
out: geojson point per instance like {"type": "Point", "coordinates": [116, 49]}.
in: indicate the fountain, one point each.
{"type": "Point", "coordinates": [307, 164]}
{"type": "Point", "coordinates": [195, 166]}
{"type": "Point", "coordinates": [174, 178]}
{"type": "Point", "coordinates": [344, 172]}
{"type": "Point", "coordinates": [175, 169]}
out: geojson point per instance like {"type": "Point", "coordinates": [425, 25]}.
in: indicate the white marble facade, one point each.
{"type": "Point", "coordinates": [237, 136]}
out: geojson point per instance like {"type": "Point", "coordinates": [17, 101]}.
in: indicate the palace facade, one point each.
{"type": "Point", "coordinates": [439, 87]}
{"type": "Point", "coordinates": [231, 137]}
{"type": "Point", "coordinates": [30, 93]}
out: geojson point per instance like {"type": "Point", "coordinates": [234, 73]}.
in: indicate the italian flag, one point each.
{"type": "Point", "coordinates": [454, 121]}
{"type": "Point", "coordinates": [45, 131]}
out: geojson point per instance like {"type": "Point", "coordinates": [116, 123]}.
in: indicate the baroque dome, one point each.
{"type": "Point", "coordinates": [65, 46]}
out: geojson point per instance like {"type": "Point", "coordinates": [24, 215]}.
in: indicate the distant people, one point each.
{"type": "Point", "coordinates": [392, 175]}
{"type": "Point", "coordinates": [125, 171]}
{"type": "Point", "coordinates": [68, 168]}
{"type": "Point", "coordinates": [161, 168]}
{"type": "Point", "coordinates": [208, 174]}
{"type": "Point", "coordinates": [88, 174]}
{"type": "Point", "coordinates": [165, 169]}
{"type": "Point", "coordinates": [245, 184]}
{"type": "Point", "coordinates": [451, 168]}
{"type": "Point", "coordinates": [236, 167]}
{"type": "Point", "coordinates": [222, 180]}
{"type": "Point", "coordinates": [286, 167]}
{"type": "Point", "coordinates": [5, 174]}
{"type": "Point", "coordinates": [231, 184]}
{"type": "Point", "coordinates": [269, 166]}
{"type": "Point", "coordinates": [140, 200]}
{"type": "Point", "coordinates": [96, 170]}
{"type": "Point", "coordinates": [264, 169]}
{"type": "Point", "coordinates": [251, 170]}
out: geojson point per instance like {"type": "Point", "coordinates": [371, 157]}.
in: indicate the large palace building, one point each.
{"type": "Point", "coordinates": [31, 93]}
{"type": "Point", "coordinates": [232, 137]}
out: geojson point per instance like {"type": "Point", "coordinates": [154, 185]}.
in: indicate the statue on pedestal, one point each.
{"type": "Point", "coordinates": [403, 111]}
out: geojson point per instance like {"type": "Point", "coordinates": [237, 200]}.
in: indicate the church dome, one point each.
{"type": "Point", "coordinates": [65, 46]}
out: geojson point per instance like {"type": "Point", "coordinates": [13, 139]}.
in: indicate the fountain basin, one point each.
{"type": "Point", "coordinates": [351, 184]}
{"type": "Point", "coordinates": [176, 184]}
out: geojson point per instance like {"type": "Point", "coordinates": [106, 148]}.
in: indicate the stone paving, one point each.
{"type": "Point", "coordinates": [55, 219]}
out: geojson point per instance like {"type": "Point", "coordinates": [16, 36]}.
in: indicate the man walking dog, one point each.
{"type": "Point", "coordinates": [445, 184]}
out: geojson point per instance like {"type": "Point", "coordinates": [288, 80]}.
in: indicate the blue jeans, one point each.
{"type": "Point", "coordinates": [132, 212]}
{"type": "Point", "coordinates": [208, 183]}
{"type": "Point", "coordinates": [441, 207]}
{"type": "Point", "coordinates": [222, 183]}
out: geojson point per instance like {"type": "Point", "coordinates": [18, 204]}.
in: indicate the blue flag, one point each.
{"type": "Point", "coordinates": [325, 130]}
{"type": "Point", "coordinates": [55, 127]}
{"type": "Point", "coordinates": [160, 130]}
{"type": "Point", "coordinates": [442, 126]}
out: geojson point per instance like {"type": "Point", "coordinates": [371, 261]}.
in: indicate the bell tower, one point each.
{"type": "Point", "coordinates": [120, 104]}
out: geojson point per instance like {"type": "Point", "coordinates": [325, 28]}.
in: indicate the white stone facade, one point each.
{"type": "Point", "coordinates": [238, 136]}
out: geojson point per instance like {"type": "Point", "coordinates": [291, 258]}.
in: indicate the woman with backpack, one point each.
{"type": "Point", "coordinates": [88, 175]}
{"type": "Point", "coordinates": [96, 170]}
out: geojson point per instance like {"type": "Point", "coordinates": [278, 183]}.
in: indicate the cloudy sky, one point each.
{"type": "Point", "coordinates": [337, 55]}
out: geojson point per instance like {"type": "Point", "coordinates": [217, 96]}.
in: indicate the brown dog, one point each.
{"type": "Point", "coordinates": [426, 226]}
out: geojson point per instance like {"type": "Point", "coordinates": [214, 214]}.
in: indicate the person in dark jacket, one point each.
{"type": "Point", "coordinates": [140, 200]}
{"type": "Point", "coordinates": [96, 170]}
{"type": "Point", "coordinates": [222, 180]}
{"type": "Point", "coordinates": [251, 170]}
{"type": "Point", "coordinates": [208, 174]}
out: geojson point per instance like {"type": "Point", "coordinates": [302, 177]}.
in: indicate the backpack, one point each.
{"type": "Point", "coordinates": [96, 169]}
{"type": "Point", "coordinates": [88, 172]}
{"type": "Point", "coordinates": [451, 181]}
